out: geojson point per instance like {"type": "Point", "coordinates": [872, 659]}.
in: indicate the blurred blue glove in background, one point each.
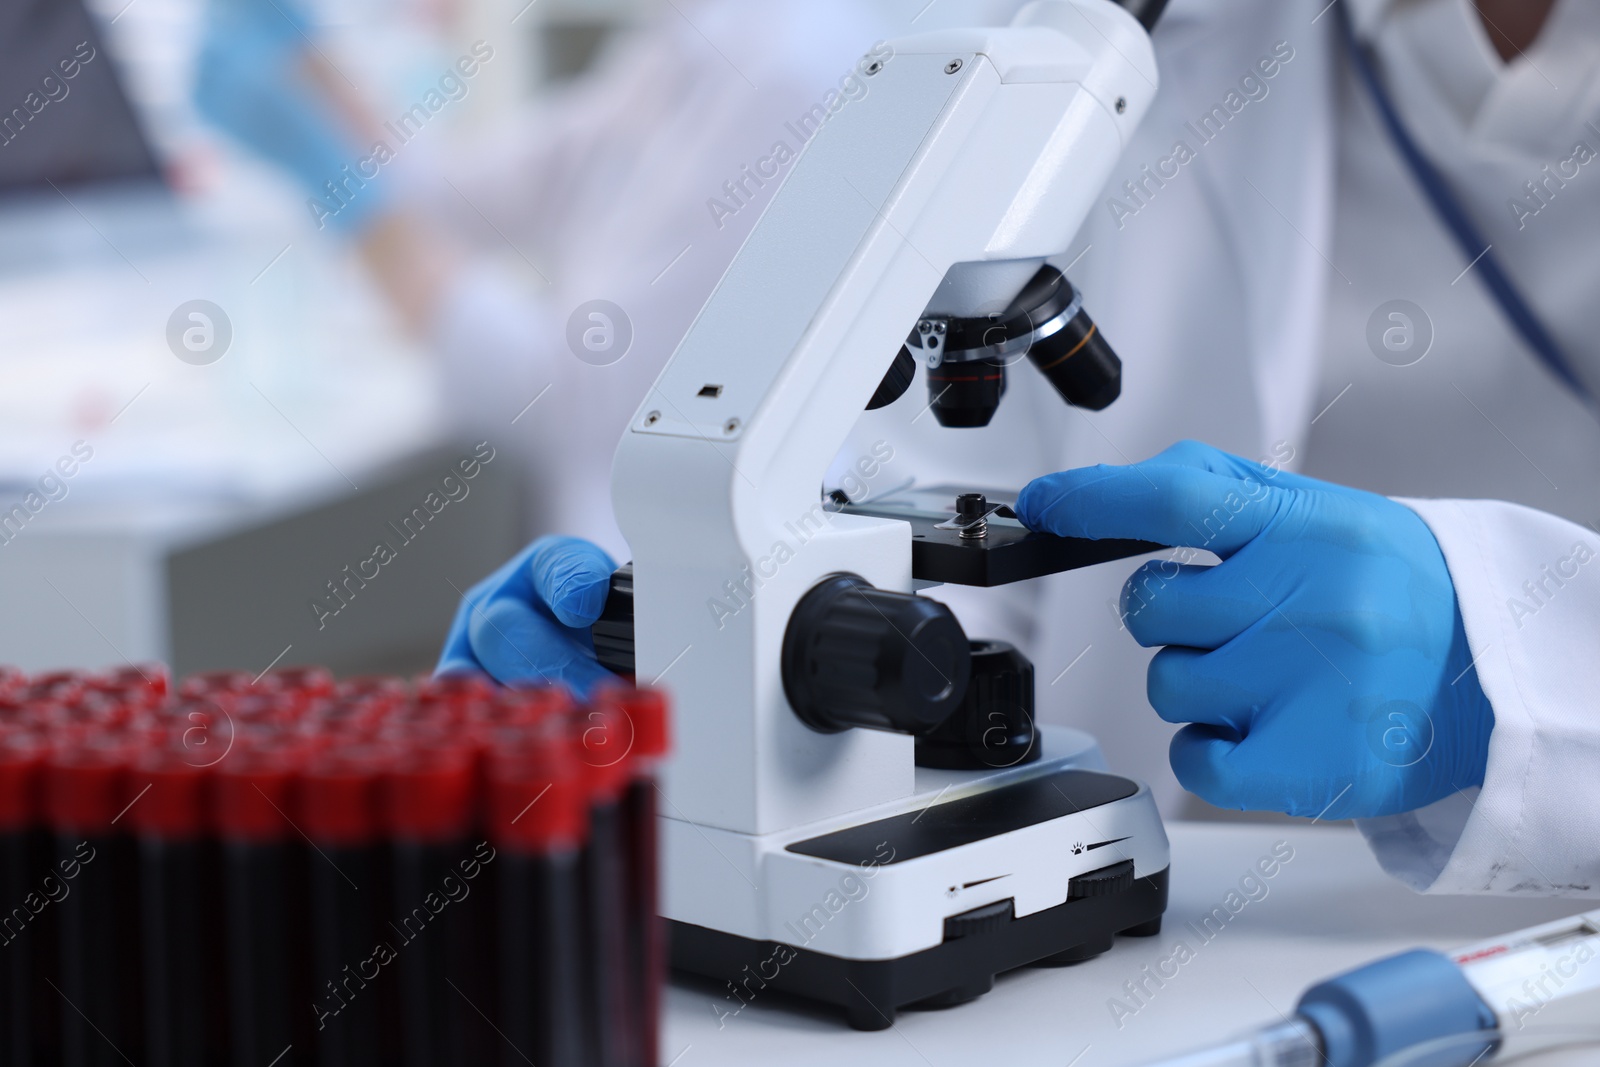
{"type": "Point", "coordinates": [528, 622]}
{"type": "Point", "coordinates": [254, 81]}
{"type": "Point", "coordinates": [1323, 664]}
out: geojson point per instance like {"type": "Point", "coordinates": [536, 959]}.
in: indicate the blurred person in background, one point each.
{"type": "Point", "coordinates": [632, 185]}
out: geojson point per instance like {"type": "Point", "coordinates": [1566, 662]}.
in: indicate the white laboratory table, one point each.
{"type": "Point", "coordinates": [1328, 909]}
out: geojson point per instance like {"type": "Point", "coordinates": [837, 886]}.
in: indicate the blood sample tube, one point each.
{"type": "Point", "coordinates": [265, 914]}
{"type": "Point", "coordinates": [646, 713]}
{"type": "Point", "coordinates": [429, 804]}
{"type": "Point", "coordinates": [180, 888]}
{"type": "Point", "coordinates": [86, 793]}
{"type": "Point", "coordinates": [538, 824]}
{"type": "Point", "coordinates": [604, 737]}
{"type": "Point", "coordinates": [339, 812]}
{"type": "Point", "coordinates": [25, 950]}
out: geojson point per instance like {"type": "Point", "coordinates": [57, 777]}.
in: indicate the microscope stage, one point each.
{"type": "Point", "coordinates": [1008, 552]}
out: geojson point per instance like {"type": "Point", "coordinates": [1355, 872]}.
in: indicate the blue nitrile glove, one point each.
{"type": "Point", "coordinates": [528, 622]}
{"type": "Point", "coordinates": [1323, 663]}
{"type": "Point", "coordinates": [253, 81]}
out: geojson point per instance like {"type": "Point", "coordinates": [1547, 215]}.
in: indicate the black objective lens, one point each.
{"type": "Point", "coordinates": [966, 395]}
{"type": "Point", "coordinates": [1080, 364]}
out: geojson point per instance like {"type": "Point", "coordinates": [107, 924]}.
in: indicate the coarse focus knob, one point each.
{"type": "Point", "coordinates": [854, 655]}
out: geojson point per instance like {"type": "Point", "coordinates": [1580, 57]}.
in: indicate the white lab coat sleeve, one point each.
{"type": "Point", "coordinates": [1528, 585]}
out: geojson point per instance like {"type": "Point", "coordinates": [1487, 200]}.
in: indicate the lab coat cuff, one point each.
{"type": "Point", "coordinates": [1528, 587]}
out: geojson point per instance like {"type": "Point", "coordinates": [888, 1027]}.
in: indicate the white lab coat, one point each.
{"type": "Point", "coordinates": [1217, 292]}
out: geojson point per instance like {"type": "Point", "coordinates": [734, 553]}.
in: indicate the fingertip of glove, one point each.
{"type": "Point", "coordinates": [1197, 754]}
{"type": "Point", "coordinates": [579, 602]}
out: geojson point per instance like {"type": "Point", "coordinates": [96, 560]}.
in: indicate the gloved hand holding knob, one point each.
{"type": "Point", "coordinates": [1322, 666]}
{"type": "Point", "coordinates": [528, 622]}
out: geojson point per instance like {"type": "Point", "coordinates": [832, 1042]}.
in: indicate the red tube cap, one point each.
{"type": "Point", "coordinates": [524, 707]}
{"type": "Point", "coordinates": [430, 793]}
{"type": "Point", "coordinates": [23, 757]}
{"type": "Point", "coordinates": [57, 686]}
{"type": "Point", "coordinates": [347, 718]}
{"type": "Point", "coordinates": [149, 682]}
{"type": "Point", "coordinates": [647, 712]}
{"type": "Point", "coordinates": [255, 790]}
{"type": "Point", "coordinates": [537, 797]}
{"type": "Point", "coordinates": [339, 801]}
{"type": "Point", "coordinates": [174, 806]}
{"type": "Point", "coordinates": [468, 687]}
{"type": "Point", "coordinates": [390, 692]}
{"type": "Point", "coordinates": [312, 682]}
{"type": "Point", "coordinates": [603, 736]}
{"type": "Point", "coordinates": [214, 682]}
{"type": "Point", "coordinates": [86, 785]}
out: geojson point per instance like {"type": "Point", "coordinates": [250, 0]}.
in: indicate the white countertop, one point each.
{"type": "Point", "coordinates": [1328, 909]}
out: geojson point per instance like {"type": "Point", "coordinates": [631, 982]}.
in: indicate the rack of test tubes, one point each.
{"type": "Point", "coordinates": [290, 870]}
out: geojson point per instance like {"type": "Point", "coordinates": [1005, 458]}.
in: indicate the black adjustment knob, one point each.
{"type": "Point", "coordinates": [993, 727]}
{"type": "Point", "coordinates": [854, 655]}
{"type": "Point", "coordinates": [979, 921]}
{"type": "Point", "coordinates": [613, 631]}
{"type": "Point", "coordinates": [1117, 878]}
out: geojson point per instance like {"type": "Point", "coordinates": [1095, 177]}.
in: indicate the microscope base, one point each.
{"type": "Point", "coordinates": [951, 973]}
{"type": "Point", "coordinates": [920, 903]}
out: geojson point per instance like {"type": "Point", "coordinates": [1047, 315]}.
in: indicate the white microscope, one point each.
{"type": "Point", "coordinates": [859, 809]}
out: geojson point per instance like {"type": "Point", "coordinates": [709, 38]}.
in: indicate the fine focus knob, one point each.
{"type": "Point", "coordinates": [854, 655]}
{"type": "Point", "coordinates": [993, 727]}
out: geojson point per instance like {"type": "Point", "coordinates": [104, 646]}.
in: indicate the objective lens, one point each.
{"type": "Point", "coordinates": [1080, 364]}
{"type": "Point", "coordinates": [966, 395]}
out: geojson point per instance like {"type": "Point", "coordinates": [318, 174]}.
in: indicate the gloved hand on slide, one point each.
{"type": "Point", "coordinates": [257, 80]}
{"type": "Point", "coordinates": [1322, 665]}
{"type": "Point", "coordinates": [528, 622]}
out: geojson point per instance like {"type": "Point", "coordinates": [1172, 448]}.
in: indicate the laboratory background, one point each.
{"type": "Point", "coordinates": [321, 323]}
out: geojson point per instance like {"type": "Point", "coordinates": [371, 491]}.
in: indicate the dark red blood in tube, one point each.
{"type": "Point", "coordinates": [182, 897]}
{"type": "Point", "coordinates": [27, 949]}
{"type": "Point", "coordinates": [430, 802]}
{"type": "Point", "coordinates": [265, 917]}
{"type": "Point", "coordinates": [86, 794]}
{"type": "Point", "coordinates": [647, 715]}
{"type": "Point", "coordinates": [537, 816]}
{"type": "Point", "coordinates": [352, 950]}
{"type": "Point", "coordinates": [605, 738]}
